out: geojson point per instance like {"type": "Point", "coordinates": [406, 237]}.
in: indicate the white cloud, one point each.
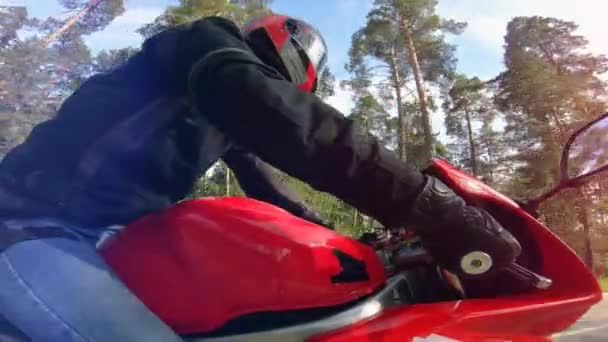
{"type": "Point", "coordinates": [137, 16]}
{"type": "Point", "coordinates": [342, 100]}
{"type": "Point", "coordinates": [490, 30]}
{"type": "Point", "coordinates": [13, 2]}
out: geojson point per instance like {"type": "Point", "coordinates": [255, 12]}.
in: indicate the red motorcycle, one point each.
{"type": "Point", "coordinates": [234, 269]}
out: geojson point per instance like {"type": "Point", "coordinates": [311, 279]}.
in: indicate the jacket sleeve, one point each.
{"type": "Point", "coordinates": [261, 182]}
{"type": "Point", "coordinates": [292, 130]}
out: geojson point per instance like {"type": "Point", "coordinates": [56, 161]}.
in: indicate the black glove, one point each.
{"type": "Point", "coordinates": [463, 239]}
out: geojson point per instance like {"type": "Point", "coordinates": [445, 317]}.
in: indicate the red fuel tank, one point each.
{"type": "Point", "coordinates": [204, 262]}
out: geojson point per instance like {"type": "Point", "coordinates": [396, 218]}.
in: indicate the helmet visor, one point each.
{"type": "Point", "coordinates": [311, 42]}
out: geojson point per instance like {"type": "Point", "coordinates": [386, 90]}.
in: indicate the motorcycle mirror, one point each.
{"type": "Point", "coordinates": [584, 155]}
{"type": "Point", "coordinates": [586, 152]}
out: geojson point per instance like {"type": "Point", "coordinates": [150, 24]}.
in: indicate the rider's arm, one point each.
{"type": "Point", "coordinates": [291, 130]}
{"type": "Point", "coordinates": [258, 180]}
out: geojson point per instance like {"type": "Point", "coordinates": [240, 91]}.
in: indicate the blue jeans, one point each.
{"type": "Point", "coordinates": [58, 289]}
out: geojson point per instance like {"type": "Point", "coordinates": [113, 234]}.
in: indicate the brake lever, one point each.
{"type": "Point", "coordinates": [527, 276]}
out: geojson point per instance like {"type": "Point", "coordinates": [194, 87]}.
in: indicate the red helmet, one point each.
{"type": "Point", "coordinates": [299, 46]}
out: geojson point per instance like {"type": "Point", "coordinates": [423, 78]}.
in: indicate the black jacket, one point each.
{"type": "Point", "coordinates": [134, 140]}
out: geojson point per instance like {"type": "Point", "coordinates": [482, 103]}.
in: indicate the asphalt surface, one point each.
{"type": "Point", "coordinates": [593, 327]}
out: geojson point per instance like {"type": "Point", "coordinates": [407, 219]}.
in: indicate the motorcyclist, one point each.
{"type": "Point", "coordinates": [134, 140]}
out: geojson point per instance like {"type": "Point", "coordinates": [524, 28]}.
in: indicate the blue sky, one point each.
{"type": "Point", "coordinates": [479, 48]}
{"type": "Point", "coordinates": [337, 20]}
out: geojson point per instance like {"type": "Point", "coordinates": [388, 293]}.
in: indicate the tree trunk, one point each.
{"type": "Point", "coordinates": [228, 181]}
{"type": "Point", "coordinates": [601, 189]}
{"type": "Point", "coordinates": [426, 119]}
{"type": "Point", "coordinates": [472, 152]}
{"type": "Point", "coordinates": [583, 216]}
{"type": "Point", "coordinates": [397, 82]}
{"type": "Point", "coordinates": [491, 163]}
{"type": "Point", "coordinates": [70, 22]}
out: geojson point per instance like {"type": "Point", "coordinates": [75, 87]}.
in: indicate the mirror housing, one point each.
{"type": "Point", "coordinates": [568, 176]}
{"type": "Point", "coordinates": [586, 152]}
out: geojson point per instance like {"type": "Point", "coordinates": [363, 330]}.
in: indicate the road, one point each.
{"type": "Point", "coordinates": [593, 327]}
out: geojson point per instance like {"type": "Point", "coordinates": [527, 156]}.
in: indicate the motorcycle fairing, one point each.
{"type": "Point", "coordinates": [204, 262]}
{"type": "Point", "coordinates": [504, 309]}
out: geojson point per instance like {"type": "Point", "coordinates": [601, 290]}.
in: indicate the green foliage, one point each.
{"type": "Point", "coordinates": [604, 283]}
{"type": "Point", "coordinates": [550, 87]}
{"type": "Point", "coordinates": [413, 27]}
{"type": "Point", "coordinates": [327, 83]}
{"type": "Point", "coordinates": [12, 18]}
{"type": "Point", "coordinates": [428, 29]}
{"type": "Point", "coordinates": [372, 118]}
{"type": "Point", "coordinates": [468, 105]}
{"type": "Point", "coordinates": [92, 16]}
{"type": "Point", "coordinates": [214, 183]}
{"type": "Point", "coordinates": [378, 52]}
{"type": "Point", "coordinates": [32, 92]}
{"type": "Point", "coordinates": [491, 152]}
{"type": "Point", "coordinates": [548, 75]}
{"type": "Point", "coordinates": [343, 217]}
{"type": "Point", "coordinates": [106, 60]}
{"type": "Point", "coordinates": [346, 219]}
{"type": "Point", "coordinates": [189, 10]}
{"type": "Point", "coordinates": [400, 42]}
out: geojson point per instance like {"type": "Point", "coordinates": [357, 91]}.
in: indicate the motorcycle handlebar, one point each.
{"type": "Point", "coordinates": [518, 272]}
{"type": "Point", "coordinates": [422, 257]}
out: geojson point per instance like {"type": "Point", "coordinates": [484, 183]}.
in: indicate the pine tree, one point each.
{"type": "Point", "coordinates": [188, 10]}
{"type": "Point", "coordinates": [377, 53]}
{"type": "Point", "coordinates": [468, 106]}
{"type": "Point", "coordinates": [550, 87]}
{"type": "Point", "coordinates": [32, 91]}
{"type": "Point", "coordinates": [404, 41]}
{"type": "Point", "coordinates": [429, 56]}
{"type": "Point", "coordinates": [327, 84]}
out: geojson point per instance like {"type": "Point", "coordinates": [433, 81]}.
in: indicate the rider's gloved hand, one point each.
{"type": "Point", "coordinates": [463, 239]}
